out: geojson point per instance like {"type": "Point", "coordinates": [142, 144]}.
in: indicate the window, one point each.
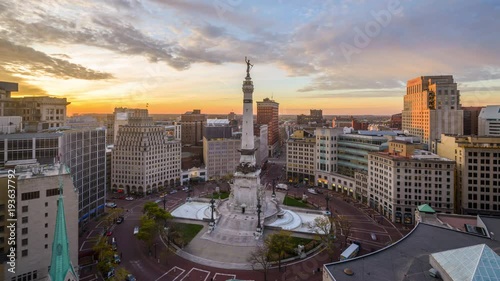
{"type": "Point", "coordinates": [30, 195]}
{"type": "Point", "coordinates": [24, 253]}
{"type": "Point", "coordinates": [25, 220]}
{"type": "Point", "coordinates": [52, 192]}
{"type": "Point", "coordinates": [24, 242]}
{"type": "Point", "coordinates": [24, 230]}
{"type": "Point", "coordinates": [25, 209]}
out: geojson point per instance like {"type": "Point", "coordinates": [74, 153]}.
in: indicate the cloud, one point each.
{"type": "Point", "coordinates": [30, 62]}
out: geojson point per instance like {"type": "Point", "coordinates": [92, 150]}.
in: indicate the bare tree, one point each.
{"type": "Point", "coordinates": [260, 259]}
{"type": "Point", "coordinates": [344, 225]}
{"type": "Point", "coordinates": [325, 232]}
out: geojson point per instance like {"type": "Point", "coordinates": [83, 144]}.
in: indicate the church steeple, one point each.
{"type": "Point", "coordinates": [61, 268]}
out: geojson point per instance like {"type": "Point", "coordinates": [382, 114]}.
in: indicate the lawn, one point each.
{"type": "Point", "coordinates": [186, 232]}
{"type": "Point", "coordinates": [223, 195]}
{"type": "Point", "coordinates": [290, 201]}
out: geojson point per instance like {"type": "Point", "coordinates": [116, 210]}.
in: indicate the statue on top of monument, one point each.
{"type": "Point", "coordinates": [249, 66]}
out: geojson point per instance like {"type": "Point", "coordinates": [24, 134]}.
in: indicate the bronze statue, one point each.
{"type": "Point", "coordinates": [249, 66]}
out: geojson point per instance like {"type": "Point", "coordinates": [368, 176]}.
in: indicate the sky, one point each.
{"type": "Point", "coordinates": [172, 56]}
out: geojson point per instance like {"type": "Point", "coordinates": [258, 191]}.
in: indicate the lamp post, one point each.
{"type": "Point", "coordinates": [259, 229]}
{"type": "Point", "coordinates": [164, 202]}
{"type": "Point", "coordinates": [212, 201]}
{"type": "Point", "coordinates": [274, 193]}
{"type": "Point", "coordinates": [155, 250]}
{"type": "Point", "coordinates": [327, 198]}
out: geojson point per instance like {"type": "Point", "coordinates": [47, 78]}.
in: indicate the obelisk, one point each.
{"type": "Point", "coordinates": [246, 187]}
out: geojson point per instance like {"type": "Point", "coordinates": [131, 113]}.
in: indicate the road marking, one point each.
{"type": "Point", "coordinates": [175, 268]}
{"type": "Point", "coordinates": [233, 276]}
{"type": "Point", "coordinates": [197, 269]}
{"type": "Point", "coordinates": [82, 248]}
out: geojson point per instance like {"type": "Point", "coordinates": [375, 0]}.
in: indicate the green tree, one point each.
{"type": "Point", "coordinates": [279, 243]}
{"type": "Point", "coordinates": [325, 232]}
{"type": "Point", "coordinates": [147, 231]}
{"type": "Point", "coordinates": [120, 274]}
{"type": "Point", "coordinates": [260, 259]}
{"type": "Point", "coordinates": [160, 216]}
{"type": "Point", "coordinates": [105, 255]}
{"type": "Point", "coordinates": [113, 214]}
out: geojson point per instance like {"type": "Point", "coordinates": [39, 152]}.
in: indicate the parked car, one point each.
{"type": "Point", "coordinates": [173, 191]}
{"type": "Point", "coordinates": [312, 190]}
{"type": "Point", "coordinates": [282, 186]}
{"type": "Point", "coordinates": [130, 277]}
{"type": "Point", "coordinates": [374, 237]}
{"type": "Point", "coordinates": [136, 230]}
{"type": "Point", "coordinates": [110, 273]}
{"type": "Point", "coordinates": [116, 259]}
{"type": "Point", "coordinates": [130, 198]}
{"type": "Point", "coordinates": [109, 233]}
{"type": "Point", "coordinates": [185, 188]}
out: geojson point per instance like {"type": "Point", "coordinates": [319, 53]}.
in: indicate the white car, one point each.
{"type": "Point", "coordinates": [282, 186]}
{"type": "Point", "coordinates": [111, 205]}
{"type": "Point", "coordinates": [129, 198]}
{"type": "Point", "coordinates": [312, 191]}
{"type": "Point", "coordinates": [136, 230]}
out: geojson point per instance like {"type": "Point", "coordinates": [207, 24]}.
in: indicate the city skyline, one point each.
{"type": "Point", "coordinates": [344, 57]}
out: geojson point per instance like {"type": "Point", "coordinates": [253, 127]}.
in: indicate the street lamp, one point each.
{"type": "Point", "coordinates": [274, 193]}
{"type": "Point", "coordinates": [327, 198]}
{"type": "Point", "coordinates": [259, 229]}
{"type": "Point", "coordinates": [155, 250]}
{"type": "Point", "coordinates": [212, 201]}
{"type": "Point", "coordinates": [164, 202]}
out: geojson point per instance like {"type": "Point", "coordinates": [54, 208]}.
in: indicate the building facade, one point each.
{"type": "Point", "coordinates": [489, 121]}
{"type": "Point", "coordinates": [37, 195]}
{"type": "Point", "coordinates": [44, 147]}
{"type": "Point", "coordinates": [119, 118]}
{"type": "Point", "coordinates": [478, 172]}
{"type": "Point", "coordinates": [314, 119]}
{"type": "Point", "coordinates": [84, 152]}
{"type": "Point", "coordinates": [326, 155]}
{"type": "Point", "coordinates": [432, 107]}
{"type": "Point", "coordinates": [268, 114]}
{"type": "Point", "coordinates": [300, 157]}
{"type": "Point", "coordinates": [143, 159]}
{"type": "Point", "coordinates": [400, 182]}
{"type": "Point", "coordinates": [471, 120]}
{"type": "Point", "coordinates": [192, 124]}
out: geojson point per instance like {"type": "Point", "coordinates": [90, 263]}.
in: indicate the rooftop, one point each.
{"type": "Point", "coordinates": [407, 259]}
{"type": "Point", "coordinates": [490, 112]}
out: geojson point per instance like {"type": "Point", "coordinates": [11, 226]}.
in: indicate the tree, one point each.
{"type": "Point", "coordinates": [279, 243]}
{"type": "Point", "coordinates": [105, 255]}
{"type": "Point", "coordinates": [325, 231]}
{"type": "Point", "coordinates": [260, 259]}
{"type": "Point", "coordinates": [147, 231]}
{"type": "Point", "coordinates": [344, 225]}
{"type": "Point", "coordinates": [113, 214]}
{"type": "Point", "coordinates": [120, 274]}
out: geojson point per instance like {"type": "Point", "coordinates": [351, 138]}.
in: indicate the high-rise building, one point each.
{"type": "Point", "coordinates": [300, 157]}
{"type": "Point", "coordinates": [143, 159]}
{"type": "Point", "coordinates": [7, 107]}
{"type": "Point", "coordinates": [41, 147]}
{"type": "Point", "coordinates": [37, 217]}
{"type": "Point", "coordinates": [432, 107]}
{"type": "Point", "coordinates": [471, 115]}
{"type": "Point", "coordinates": [268, 114]}
{"type": "Point", "coordinates": [478, 172]}
{"type": "Point", "coordinates": [119, 118]}
{"type": "Point", "coordinates": [84, 152]}
{"type": "Point", "coordinates": [489, 121]}
{"type": "Point", "coordinates": [400, 182]}
{"type": "Point", "coordinates": [326, 154]}
{"type": "Point", "coordinates": [192, 127]}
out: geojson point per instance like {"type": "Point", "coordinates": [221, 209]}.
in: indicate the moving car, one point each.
{"type": "Point", "coordinates": [312, 191]}
{"type": "Point", "coordinates": [129, 198]}
{"type": "Point", "coordinates": [130, 277]}
{"type": "Point", "coordinates": [282, 186]}
{"type": "Point", "coordinates": [119, 220]}
{"type": "Point", "coordinates": [136, 230]}
{"type": "Point", "coordinates": [111, 205]}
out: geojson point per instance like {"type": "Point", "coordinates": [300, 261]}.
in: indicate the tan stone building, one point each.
{"type": "Point", "coordinates": [399, 182]}
{"type": "Point", "coordinates": [37, 194]}
{"type": "Point", "coordinates": [192, 124]}
{"type": "Point", "coordinates": [300, 157]}
{"type": "Point", "coordinates": [432, 107]}
{"type": "Point", "coordinates": [119, 118]}
{"type": "Point", "coordinates": [478, 172]}
{"type": "Point", "coordinates": [143, 159]}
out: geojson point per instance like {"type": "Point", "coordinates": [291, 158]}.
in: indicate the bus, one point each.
{"type": "Point", "coordinates": [350, 252]}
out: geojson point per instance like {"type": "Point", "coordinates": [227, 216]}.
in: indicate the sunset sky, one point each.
{"type": "Point", "coordinates": [345, 57]}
